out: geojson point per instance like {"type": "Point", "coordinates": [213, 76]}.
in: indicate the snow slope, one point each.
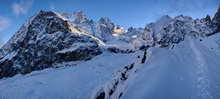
{"type": "Point", "coordinates": [64, 58]}
{"type": "Point", "coordinates": [75, 82]}
{"type": "Point", "coordinates": [188, 71]}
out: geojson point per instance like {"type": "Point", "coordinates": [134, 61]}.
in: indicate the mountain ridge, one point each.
{"type": "Point", "coordinates": [169, 32]}
{"type": "Point", "coordinates": [73, 51]}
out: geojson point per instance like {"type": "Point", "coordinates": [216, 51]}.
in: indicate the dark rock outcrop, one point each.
{"type": "Point", "coordinates": [50, 38]}
{"type": "Point", "coordinates": [173, 33]}
{"type": "Point", "coordinates": [105, 29]}
{"type": "Point", "coordinates": [80, 17]}
{"type": "Point", "coordinates": [216, 20]}
{"type": "Point", "coordinates": [45, 40]}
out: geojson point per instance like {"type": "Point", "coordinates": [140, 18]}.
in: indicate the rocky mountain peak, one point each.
{"type": "Point", "coordinates": [93, 53]}
{"type": "Point", "coordinates": [106, 21]}
{"type": "Point", "coordinates": [46, 13]}
{"type": "Point", "coordinates": [208, 18]}
{"type": "Point", "coordinates": [105, 29]}
{"type": "Point", "coordinates": [119, 30]}
{"type": "Point", "coordinates": [216, 20]}
{"type": "Point", "coordinates": [80, 17]}
{"type": "Point", "coordinates": [164, 18]}
{"type": "Point", "coordinates": [53, 22]}
{"type": "Point", "coordinates": [46, 40]}
{"type": "Point", "coordinates": [130, 29]}
{"type": "Point", "coordinates": [40, 24]}
{"type": "Point", "coordinates": [217, 15]}
{"type": "Point", "coordinates": [50, 38]}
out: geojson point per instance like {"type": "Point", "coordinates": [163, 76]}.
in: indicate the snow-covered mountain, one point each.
{"type": "Point", "coordinates": [69, 56]}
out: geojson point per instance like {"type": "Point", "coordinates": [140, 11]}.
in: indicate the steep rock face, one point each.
{"type": "Point", "coordinates": [144, 38]}
{"type": "Point", "coordinates": [167, 31]}
{"type": "Point", "coordinates": [216, 20]}
{"type": "Point", "coordinates": [80, 17]}
{"type": "Point", "coordinates": [204, 26]}
{"type": "Point", "coordinates": [105, 29]}
{"type": "Point", "coordinates": [82, 22]}
{"type": "Point", "coordinates": [50, 38]}
{"type": "Point", "coordinates": [175, 31]}
{"type": "Point", "coordinates": [158, 25]}
{"type": "Point", "coordinates": [45, 40]}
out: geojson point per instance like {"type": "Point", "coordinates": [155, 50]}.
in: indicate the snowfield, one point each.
{"type": "Point", "coordinates": [75, 82]}
{"type": "Point", "coordinates": [64, 56]}
{"type": "Point", "coordinates": [189, 70]}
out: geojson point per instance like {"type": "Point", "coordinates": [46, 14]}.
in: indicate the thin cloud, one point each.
{"type": "Point", "coordinates": [4, 24]}
{"type": "Point", "coordinates": [21, 7]}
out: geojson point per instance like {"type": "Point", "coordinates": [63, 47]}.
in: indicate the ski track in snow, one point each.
{"type": "Point", "coordinates": [202, 82]}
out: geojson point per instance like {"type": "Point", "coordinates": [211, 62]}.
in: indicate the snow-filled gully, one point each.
{"type": "Point", "coordinates": [202, 81]}
{"type": "Point", "coordinates": [114, 89]}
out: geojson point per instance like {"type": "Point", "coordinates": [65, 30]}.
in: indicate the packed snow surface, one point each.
{"type": "Point", "coordinates": [188, 71]}
{"type": "Point", "coordinates": [65, 56]}
{"type": "Point", "coordinates": [75, 82]}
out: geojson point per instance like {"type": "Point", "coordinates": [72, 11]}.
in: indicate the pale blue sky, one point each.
{"type": "Point", "coordinates": [13, 13]}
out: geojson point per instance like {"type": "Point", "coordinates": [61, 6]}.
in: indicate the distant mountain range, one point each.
{"type": "Point", "coordinates": [69, 56]}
